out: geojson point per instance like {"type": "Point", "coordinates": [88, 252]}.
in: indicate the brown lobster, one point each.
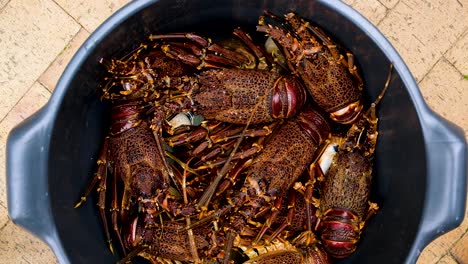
{"type": "Point", "coordinates": [169, 241]}
{"type": "Point", "coordinates": [272, 173]}
{"type": "Point", "coordinates": [237, 89]}
{"type": "Point", "coordinates": [136, 159]}
{"type": "Point", "coordinates": [306, 255]}
{"type": "Point", "coordinates": [297, 243]}
{"type": "Point", "coordinates": [344, 205]}
{"type": "Point", "coordinates": [134, 149]}
{"type": "Point", "coordinates": [333, 81]}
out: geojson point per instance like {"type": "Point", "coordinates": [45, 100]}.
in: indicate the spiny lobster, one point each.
{"type": "Point", "coordinates": [228, 93]}
{"type": "Point", "coordinates": [137, 162]}
{"type": "Point", "coordinates": [134, 150]}
{"type": "Point", "coordinates": [285, 157]}
{"type": "Point", "coordinates": [344, 205]}
{"type": "Point", "coordinates": [240, 84]}
{"type": "Point", "coordinates": [332, 80]}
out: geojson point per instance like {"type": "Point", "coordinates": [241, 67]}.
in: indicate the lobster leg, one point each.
{"type": "Point", "coordinates": [101, 170]}
{"type": "Point", "coordinates": [373, 208]}
{"type": "Point", "coordinates": [219, 137]}
{"type": "Point", "coordinates": [275, 211]}
{"type": "Point", "coordinates": [187, 138]}
{"type": "Point", "coordinates": [204, 61]}
{"type": "Point", "coordinates": [255, 149]}
{"type": "Point", "coordinates": [288, 221]}
{"type": "Point", "coordinates": [234, 174]}
{"type": "Point", "coordinates": [248, 133]}
{"type": "Point", "coordinates": [114, 214]}
{"type": "Point", "coordinates": [193, 37]}
{"type": "Point", "coordinates": [101, 177]}
{"type": "Point", "coordinates": [311, 204]}
{"type": "Point", "coordinates": [206, 197]}
{"type": "Point", "coordinates": [213, 136]}
{"type": "Point", "coordinates": [213, 153]}
{"type": "Point", "coordinates": [200, 59]}
{"type": "Point", "coordinates": [353, 69]}
{"type": "Point", "coordinates": [264, 58]}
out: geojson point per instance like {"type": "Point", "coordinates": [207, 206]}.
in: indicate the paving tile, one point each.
{"type": "Point", "coordinates": [348, 2]}
{"type": "Point", "coordinates": [18, 246]}
{"type": "Point", "coordinates": [3, 216]}
{"type": "Point", "coordinates": [430, 255]}
{"type": "Point", "coordinates": [3, 3]}
{"type": "Point", "coordinates": [447, 259]}
{"type": "Point", "coordinates": [373, 10]}
{"type": "Point", "coordinates": [91, 14]}
{"type": "Point", "coordinates": [422, 31]}
{"type": "Point", "coordinates": [35, 98]}
{"type": "Point", "coordinates": [389, 3]}
{"type": "Point", "coordinates": [460, 250]}
{"type": "Point", "coordinates": [50, 77]}
{"type": "Point", "coordinates": [439, 247]}
{"type": "Point", "coordinates": [451, 105]}
{"type": "Point", "coordinates": [458, 54]}
{"type": "Point", "coordinates": [32, 33]}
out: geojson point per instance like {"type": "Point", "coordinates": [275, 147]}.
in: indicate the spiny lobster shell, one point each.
{"type": "Point", "coordinates": [167, 241]}
{"type": "Point", "coordinates": [310, 255]}
{"type": "Point", "coordinates": [344, 202]}
{"type": "Point", "coordinates": [289, 152]}
{"type": "Point", "coordinates": [332, 81]}
{"type": "Point", "coordinates": [135, 155]}
{"type": "Point", "coordinates": [348, 183]}
{"type": "Point", "coordinates": [232, 95]}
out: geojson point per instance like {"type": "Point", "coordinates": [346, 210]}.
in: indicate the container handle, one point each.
{"type": "Point", "coordinates": [26, 176]}
{"type": "Point", "coordinates": [446, 153]}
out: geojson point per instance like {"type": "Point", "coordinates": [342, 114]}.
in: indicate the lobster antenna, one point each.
{"type": "Point", "coordinates": [206, 198]}
{"type": "Point", "coordinates": [192, 242]}
{"type": "Point", "coordinates": [280, 20]}
{"type": "Point", "coordinates": [133, 254]}
{"type": "Point", "coordinates": [382, 93]}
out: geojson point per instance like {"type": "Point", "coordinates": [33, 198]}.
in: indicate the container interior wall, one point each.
{"type": "Point", "coordinates": [399, 180]}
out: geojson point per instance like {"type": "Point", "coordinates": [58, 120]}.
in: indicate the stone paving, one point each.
{"type": "Point", "coordinates": [39, 37]}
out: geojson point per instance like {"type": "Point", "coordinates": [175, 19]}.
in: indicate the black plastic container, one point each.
{"type": "Point", "coordinates": [420, 167]}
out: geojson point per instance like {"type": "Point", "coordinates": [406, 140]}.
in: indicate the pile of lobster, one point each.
{"type": "Point", "coordinates": [228, 151]}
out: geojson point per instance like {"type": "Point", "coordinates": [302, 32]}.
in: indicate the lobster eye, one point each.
{"type": "Point", "coordinates": [262, 184]}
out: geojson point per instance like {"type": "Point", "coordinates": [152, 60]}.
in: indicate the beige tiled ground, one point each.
{"type": "Point", "coordinates": [38, 38]}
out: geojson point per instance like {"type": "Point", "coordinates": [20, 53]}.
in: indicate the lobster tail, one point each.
{"type": "Point", "coordinates": [125, 117]}
{"type": "Point", "coordinates": [314, 124]}
{"type": "Point", "coordinates": [316, 255]}
{"type": "Point", "coordinates": [288, 97]}
{"type": "Point", "coordinates": [340, 232]}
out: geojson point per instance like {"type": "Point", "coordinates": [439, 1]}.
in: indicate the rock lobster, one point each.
{"type": "Point", "coordinates": [245, 85]}
{"type": "Point", "coordinates": [344, 204]}
{"type": "Point", "coordinates": [333, 81]}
